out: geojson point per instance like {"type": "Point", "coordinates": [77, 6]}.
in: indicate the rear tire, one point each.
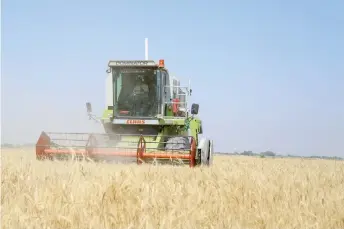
{"type": "Point", "coordinates": [210, 154]}
{"type": "Point", "coordinates": [206, 152]}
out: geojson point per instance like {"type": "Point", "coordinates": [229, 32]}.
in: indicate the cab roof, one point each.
{"type": "Point", "coordinates": [135, 63]}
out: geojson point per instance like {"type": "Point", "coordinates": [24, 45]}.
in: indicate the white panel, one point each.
{"type": "Point", "coordinates": [109, 90]}
{"type": "Point", "coordinates": [136, 121]}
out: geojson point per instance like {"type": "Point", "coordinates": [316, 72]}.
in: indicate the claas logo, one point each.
{"type": "Point", "coordinates": [135, 121]}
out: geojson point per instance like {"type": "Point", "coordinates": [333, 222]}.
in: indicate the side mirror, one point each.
{"type": "Point", "coordinates": [89, 107]}
{"type": "Point", "coordinates": [194, 108]}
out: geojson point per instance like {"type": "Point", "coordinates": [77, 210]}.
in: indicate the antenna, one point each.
{"type": "Point", "coordinates": [190, 90]}
{"type": "Point", "coordinates": [146, 48]}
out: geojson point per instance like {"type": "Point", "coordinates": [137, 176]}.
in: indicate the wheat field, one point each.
{"type": "Point", "coordinates": [236, 192]}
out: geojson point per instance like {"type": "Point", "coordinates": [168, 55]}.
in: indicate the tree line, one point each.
{"type": "Point", "coordinates": [273, 154]}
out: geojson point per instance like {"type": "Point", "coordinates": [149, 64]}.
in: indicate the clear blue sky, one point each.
{"type": "Point", "coordinates": [268, 75]}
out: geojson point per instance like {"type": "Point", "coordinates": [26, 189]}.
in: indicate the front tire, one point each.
{"type": "Point", "coordinates": [177, 143]}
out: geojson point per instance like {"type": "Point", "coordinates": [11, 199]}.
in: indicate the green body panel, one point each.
{"type": "Point", "coordinates": [107, 114]}
{"type": "Point", "coordinates": [172, 126]}
{"type": "Point", "coordinates": [195, 128]}
{"type": "Point", "coordinates": [131, 143]}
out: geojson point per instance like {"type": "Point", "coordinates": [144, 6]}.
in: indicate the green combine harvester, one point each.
{"type": "Point", "coordinates": [146, 120]}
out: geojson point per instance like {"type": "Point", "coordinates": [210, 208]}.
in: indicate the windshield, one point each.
{"type": "Point", "coordinates": [135, 92]}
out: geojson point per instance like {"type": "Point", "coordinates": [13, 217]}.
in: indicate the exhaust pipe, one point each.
{"type": "Point", "coordinates": [146, 48]}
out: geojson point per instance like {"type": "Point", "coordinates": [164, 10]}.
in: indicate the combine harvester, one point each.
{"type": "Point", "coordinates": [146, 120]}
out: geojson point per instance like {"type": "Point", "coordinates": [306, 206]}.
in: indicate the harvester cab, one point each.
{"type": "Point", "coordinates": [147, 119]}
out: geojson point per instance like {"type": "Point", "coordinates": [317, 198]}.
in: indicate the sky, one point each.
{"type": "Point", "coordinates": [268, 75]}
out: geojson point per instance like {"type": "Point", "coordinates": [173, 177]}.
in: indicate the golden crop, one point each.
{"type": "Point", "coordinates": [236, 192]}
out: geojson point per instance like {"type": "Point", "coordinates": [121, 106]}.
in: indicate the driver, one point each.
{"type": "Point", "coordinates": [143, 94]}
{"type": "Point", "coordinates": [139, 94]}
{"type": "Point", "coordinates": [141, 87]}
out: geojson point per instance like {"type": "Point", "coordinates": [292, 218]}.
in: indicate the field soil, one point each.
{"type": "Point", "coordinates": [236, 192]}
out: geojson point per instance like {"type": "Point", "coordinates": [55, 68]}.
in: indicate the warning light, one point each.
{"type": "Point", "coordinates": [161, 63]}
